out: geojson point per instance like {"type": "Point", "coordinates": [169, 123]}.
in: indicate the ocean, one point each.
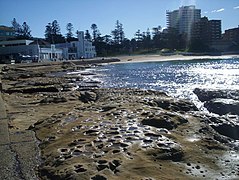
{"type": "Point", "coordinates": [176, 78]}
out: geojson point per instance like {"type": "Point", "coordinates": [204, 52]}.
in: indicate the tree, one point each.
{"type": "Point", "coordinates": [156, 31]}
{"type": "Point", "coordinates": [48, 32]}
{"type": "Point", "coordinates": [157, 37]}
{"type": "Point", "coordinates": [69, 28]}
{"type": "Point", "coordinates": [26, 32]}
{"type": "Point", "coordinates": [95, 32]}
{"type": "Point", "coordinates": [133, 44]}
{"type": "Point", "coordinates": [138, 35]}
{"type": "Point", "coordinates": [198, 46]}
{"type": "Point", "coordinates": [107, 39]}
{"type": "Point", "coordinates": [17, 27]}
{"type": "Point", "coordinates": [87, 35]}
{"type": "Point", "coordinates": [53, 34]}
{"type": "Point", "coordinates": [21, 32]}
{"type": "Point", "coordinates": [118, 33]}
{"type": "Point", "coordinates": [55, 28]}
{"type": "Point", "coordinates": [70, 35]}
{"type": "Point", "coordinates": [147, 39]}
{"type": "Point", "coordinates": [148, 34]}
{"type": "Point", "coordinates": [121, 31]}
{"type": "Point", "coordinates": [172, 39]}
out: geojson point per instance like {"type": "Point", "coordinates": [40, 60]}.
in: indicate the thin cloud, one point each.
{"type": "Point", "coordinates": [237, 7]}
{"type": "Point", "coordinates": [219, 10]}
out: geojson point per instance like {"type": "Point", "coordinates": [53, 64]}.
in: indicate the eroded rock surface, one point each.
{"type": "Point", "coordinates": [224, 103]}
{"type": "Point", "coordinates": [219, 101]}
{"type": "Point", "coordinates": [93, 133]}
{"type": "Point", "coordinates": [122, 134]}
{"type": "Point", "coordinates": [223, 106]}
{"type": "Point", "coordinates": [207, 94]}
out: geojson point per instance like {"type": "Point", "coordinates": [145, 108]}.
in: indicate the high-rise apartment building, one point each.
{"type": "Point", "coordinates": [183, 19]}
{"type": "Point", "coordinates": [215, 29]}
{"type": "Point", "coordinates": [207, 30]}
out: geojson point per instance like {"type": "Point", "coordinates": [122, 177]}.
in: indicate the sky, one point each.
{"type": "Point", "coordinates": [133, 14]}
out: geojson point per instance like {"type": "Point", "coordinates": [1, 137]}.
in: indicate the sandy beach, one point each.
{"type": "Point", "coordinates": [156, 58]}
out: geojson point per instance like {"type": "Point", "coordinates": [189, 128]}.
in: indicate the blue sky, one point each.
{"type": "Point", "coordinates": [133, 14]}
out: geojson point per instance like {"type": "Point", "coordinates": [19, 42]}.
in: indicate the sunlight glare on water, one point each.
{"type": "Point", "coordinates": [177, 78]}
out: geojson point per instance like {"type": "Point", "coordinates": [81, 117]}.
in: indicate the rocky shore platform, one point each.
{"type": "Point", "coordinates": [77, 130]}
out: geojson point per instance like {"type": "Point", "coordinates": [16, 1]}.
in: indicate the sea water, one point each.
{"type": "Point", "coordinates": [176, 78]}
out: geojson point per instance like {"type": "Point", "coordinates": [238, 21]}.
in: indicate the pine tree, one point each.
{"type": "Point", "coordinates": [48, 32]}
{"type": "Point", "coordinates": [95, 32]}
{"type": "Point", "coordinates": [26, 32]}
{"type": "Point", "coordinates": [55, 28]}
{"type": "Point", "coordinates": [53, 34]}
{"type": "Point", "coordinates": [138, 35]}
{"type": "Point", "coordinates": [17, 27]}
{"type": "Point", "coordinates": [118, 33]}
{"type": "Point", "coordinates": [87, 35]}
{"type": "Point", "coordinates": [156, 31]}
{"type": "Point", "coordinates": [69, 28]}
{"type": "Point", "coordinates": [121, 32]}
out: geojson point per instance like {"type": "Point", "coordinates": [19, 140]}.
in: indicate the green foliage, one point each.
{"type": "Point", "coordinates": [21, 32]}
{"type": "Point", "coordinates": [53, 34]}
{"type": "Point", "coordinates": [118, 33]}
{"type": "Point", "coordinates": [87, 35]}
{"type": "Point", "coordinates": [95, 32]}
{"type": "Point", "coordinates": [198, 46]}
{"type": "Point", "coordinates": [69, 34]}
{"type": "Point", "coordinates": [26, 32]}
{"type": "Point", "coordinates": [16, 26]}
{"type": "Point", "coordinates": [145, 42]}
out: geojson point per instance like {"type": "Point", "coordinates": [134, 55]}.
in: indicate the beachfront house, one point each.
{"type": "Point", "coordinates": [39, 50]}
{"type": "Point", "coordinates": [78, 49]}
{"type": "Point", "coordinates": [30, 50]}
{"type": "Point", "coordinates": [6, 33]}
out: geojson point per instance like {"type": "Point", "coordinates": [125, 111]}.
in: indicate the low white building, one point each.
{"type": "Point", "coordinates": [38, 51]}
{"type": "Point", "coordinates": [19, 49]}
{"type": "Point", "coordinates": [78, 49]}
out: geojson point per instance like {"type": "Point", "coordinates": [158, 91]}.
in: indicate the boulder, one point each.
{"type": "Point", "coordinates": [207, 94]}
{"type": "Point", "coordinates": [165, 120]}
{"type": "Point", "coordinates": [223, 106]}
{"type": "Point", "coordinates": [173, 152]}
{"type": "Point", "coordinates": [227, 129]}
{"type": "Point", "coordinates": [98, 177]}
{"type": "Point", "coordinates": [160, 123]}
{"type": "Point", "coordinates": [175, 104]}
{"type": "Point", "coordinates": [88, 96]}
{"type": "Point", "coordinates": [108, 107]}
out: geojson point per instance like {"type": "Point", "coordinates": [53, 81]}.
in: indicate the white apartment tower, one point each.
{"type": "Point", "coordinates": [183, 19]}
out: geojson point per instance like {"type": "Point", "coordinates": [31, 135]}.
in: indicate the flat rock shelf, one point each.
{"type": "Point", "coordinates": [113, 133]}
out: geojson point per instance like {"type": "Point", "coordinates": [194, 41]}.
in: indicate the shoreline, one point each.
{"type": "Point", "coordinates": [95, 133]}
{"type": "Point", "coordinates": [131, 59]}
{"type": "Point", "coordinates": [160, 58]}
